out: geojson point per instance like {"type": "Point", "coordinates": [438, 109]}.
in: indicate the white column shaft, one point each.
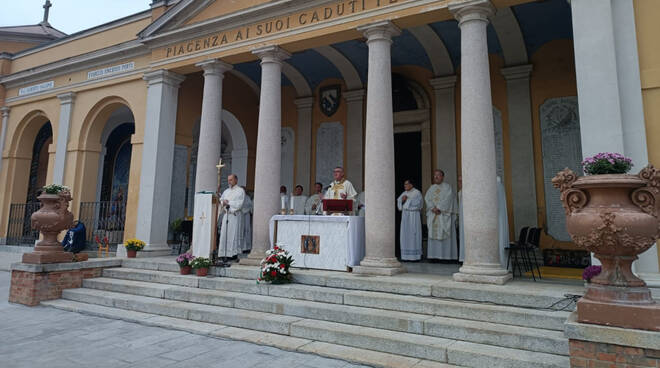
{"type": "Point", "coordinates": [157, 156]}
{"type": "Point", "coordinates": [210, 127]}
{"type": "Point", "coordinates": [3, 134]}
{"type": "Point", "coordinates": [304, 142]}
{"type": "Point", "coordinates": [267, 166]}
{"type": "Point", "coordinates": [354, 131]}
{"type": "Point", "coordinates": [482, 260]}
{"type": "Point", "coordinates": [379, 154]}
{"type": "Point", "coordinates": [521, 145]}
{"type": "Point", "coordinates": [66, 107]}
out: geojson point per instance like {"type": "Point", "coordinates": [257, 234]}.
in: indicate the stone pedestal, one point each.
{"type": "Point", "coordinates": [482, 260]}
{"type": "Point", "coordinates": [379, 155]}
{"type": "Point", "coordinates": [267, 166]}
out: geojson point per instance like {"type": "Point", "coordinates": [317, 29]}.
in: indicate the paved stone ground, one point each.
{"type": "Point", "coordinates": [43, 336]}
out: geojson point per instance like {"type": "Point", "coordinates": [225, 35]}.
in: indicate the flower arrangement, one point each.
{"type": "Point", "coordinates": [184, 259]}
{"type": "Point", "coordinates": [103, 245]}
{"type": "Point", "coordinates": [55, 189]}
{"type": "Point", "coordinates": [199, 262]}
{"type": "Point", "coordinates": [606, 163]}
{"type": "Point", "coordinates": [275, 267]}
{"type": "Point", "coordinates": [134, 244]}
{"type": "Point", "coordinates": [591, 272]}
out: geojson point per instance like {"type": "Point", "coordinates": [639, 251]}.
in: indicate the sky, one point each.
{"type": "Point", "coordinates": [69, 16]}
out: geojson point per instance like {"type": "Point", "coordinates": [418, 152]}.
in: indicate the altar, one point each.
{"type": "Point", "coordinates": [320, 242]}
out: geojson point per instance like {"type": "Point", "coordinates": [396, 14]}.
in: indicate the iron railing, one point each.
{"type": "Point", "coordinates": [104, 218]}
{"type": "Point", "coordinates": [20, 230]}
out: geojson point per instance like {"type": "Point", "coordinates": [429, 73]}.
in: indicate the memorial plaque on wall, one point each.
{"type": "Point", "coordinates": [562, 147]}
{"type": "Point", "coordinates": [329, 151]}
{"type": "Point", "coordinates": [499, 143]}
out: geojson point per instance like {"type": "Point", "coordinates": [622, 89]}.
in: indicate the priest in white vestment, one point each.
{"type": "Point", "coordinates": [231, 203]}
{"type": "Point", "coordinates": [246, 245]}
{"type": "Point", "coordinates": [298, 201]}
{"type": "Point", "coordinates": [313, 204]}
{"type": "Point", "coordinates": [361, 205]}
{"type": "Point", "coordinates": [440, 214]}
{"type": "Point", "coordinates": [410, 203]}
{"type": "Point", "coordinates": [340, 188]}
{"type": "Point", "coordinates": [284, 199]}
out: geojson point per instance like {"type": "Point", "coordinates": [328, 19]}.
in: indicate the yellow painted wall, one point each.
{"type": "Point", "coordinates": [648, 28]}
{"type": "Point", "coordinates": [80, 46]}
{"type": "Point", "coordinates": [14, 47]}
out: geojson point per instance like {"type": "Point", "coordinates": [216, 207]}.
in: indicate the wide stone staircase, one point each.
{"type": "Point", "coordinates": [402, 321]}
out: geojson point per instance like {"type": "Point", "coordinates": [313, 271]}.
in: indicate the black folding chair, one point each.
{"type": "Point", "coordinates": [515, 249]}
{"type": "Point", "coordinates": [533, 241]}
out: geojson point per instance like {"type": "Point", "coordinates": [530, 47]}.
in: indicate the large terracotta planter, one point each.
{"type": "Point", "coordinates": [185, 270]}
{"type": "Point", "coordinates": [614, 216]}
{"type": "Point", "coordinates": [52, 218]}
{"type": "Point", "coordinates": [202, 271]}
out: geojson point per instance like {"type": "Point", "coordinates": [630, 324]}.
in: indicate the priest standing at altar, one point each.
{"type": "Point", "coordinates": [410, 203]}
{"type": "Point", "coordinates": [340, 188]}
{"type": "Point", "coordinates": [313, 204]}
{"type": "Point", "coordinates": [440, 210]}
{"type": "Point", "coordinates": [231, 203]}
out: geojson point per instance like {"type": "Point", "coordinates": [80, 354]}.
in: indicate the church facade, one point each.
{"type": "Point", "coordinates": [127, 114]}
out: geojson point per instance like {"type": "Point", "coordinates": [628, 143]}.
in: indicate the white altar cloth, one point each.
{"type": "Point", "coordinates": [341, 239]}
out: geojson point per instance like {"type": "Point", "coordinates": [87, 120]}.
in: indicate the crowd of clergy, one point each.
{"type": "Point", "coordinates": [443, 210]}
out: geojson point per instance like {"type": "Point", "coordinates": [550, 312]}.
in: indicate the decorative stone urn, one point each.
{"type": "Point", "coordinates": [615, 216]}
{"type": "Point", "coordinates": [52, 218]}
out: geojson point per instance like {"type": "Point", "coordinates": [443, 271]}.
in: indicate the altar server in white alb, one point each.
{"type": "Point", "coordinates": [247, 223]}
{"type": "Point", "coordinates": [231, 203]}
{"type": "Point", "coordinates": [313, 204]}
{"type": "Point", "coordinates": [361, 205]}
{"type": "Point", "coordinates": [340, 188]}
{"type": "Point", "coordinates": [298, 201]}
{"type": "Point", "coordinates": [440, 213]}
{"type": "Point", "coordinates": [410, 203]}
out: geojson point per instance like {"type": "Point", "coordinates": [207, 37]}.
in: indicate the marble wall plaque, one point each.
{"type": "Point", "coordinates": [329, 151]}
{"type": "Point", "coordinates": [178, 194]}
{"type": "Point", "coordinates": [562, 147]}
{"type": "Point", "coordinates": [499, 143]}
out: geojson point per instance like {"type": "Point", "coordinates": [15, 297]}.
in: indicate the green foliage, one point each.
{"type": "Point", "coordinates": [55, 189]}
{"type": "Point", "coordinates": [200, 262]}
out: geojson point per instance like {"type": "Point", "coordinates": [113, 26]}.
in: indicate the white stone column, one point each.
{"type": "Point", "coordinates": [609, 91]}
{"type": "Point", "coordinates": [482, 259]}
{"type": "Point", "coordinates": [355, 137]}
{"type": "Point", "coordinates": [66, 107]}
{"type": "Point", "coordinates": [304, 143]}
{"type": "Point", "coordinates": [210, 126]}
{"type": "Point", "coordinates": [445, 128]}
{"type": "Point", "coordinates": [521, 145]}
{"type": "Point", "coordinates": [267, 166]}
{"type": "Point", "coordinates": [379, 154]}
{"type": "Point", "coordinates": [157, 157]}
{"type": "Point", "coordinates": [3, 134]}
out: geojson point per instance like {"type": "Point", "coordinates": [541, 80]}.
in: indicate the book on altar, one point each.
{"type": "Point", "coordinates": [205, 224]}
{"type": "Point", "coordinates": [338, 206]}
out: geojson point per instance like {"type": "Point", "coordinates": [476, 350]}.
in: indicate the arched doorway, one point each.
{"type": "Point", "coordinates": [412, 138]}
{"type": "Point", "coordinates": [104, 211]}
{"type": "Point", "coordinates": [19, 229]}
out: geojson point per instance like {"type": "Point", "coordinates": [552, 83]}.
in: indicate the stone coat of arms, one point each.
{"type": "Point", "coordinates": [329, 98]}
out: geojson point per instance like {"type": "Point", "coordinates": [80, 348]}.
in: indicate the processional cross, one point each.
{"type": "Point", "coordinates": [219, 166]}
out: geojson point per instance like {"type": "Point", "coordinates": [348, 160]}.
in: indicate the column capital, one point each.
{"type": "Point", "coordinates": [214, 67]}
{"type": "Point", "coordinates": [304, 102]}
{"type": "Point", "coordinates": [383, 30]}
{"type": "Point", "coordinates": [271, 54]}
{"type": "Point", "coordinates": [517, 72]}
{"type": "Point", "coordinates": [5, 111]}
{"type": "Point", "coordinates": [472, 10]}
{"type": "Point", "coordinates": [441, 83]}
{"type": "Point", "coordinates": [67, 98]}
{"type": "Point", "coordinates": [356, 95]}
{"type": "Point", "coordinates": [163, 76]}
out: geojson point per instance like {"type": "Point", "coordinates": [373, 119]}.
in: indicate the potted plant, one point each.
{"type": "Point", "coordinates": [133, 246]}
{"type": "Point", "coordinates": [176, 228]}
{"type": "Point", "coordinates": [615, 216]}
{"type": "Point", "coordinates": [275, 267]}
{"type": "Point", "coordinates": [184, 261]}
{"type": "Point", "coordinates": [201, 265]}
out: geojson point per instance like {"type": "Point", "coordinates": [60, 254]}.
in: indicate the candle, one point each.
{"type": "Point", "coordinates": [283, 198]}
{"type": "Point", "coordinates": [291, 204]}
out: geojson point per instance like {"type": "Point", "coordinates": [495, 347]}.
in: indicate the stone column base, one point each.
{"type": "Point", "coordinates": [483, 274]}
{"type": "Point", "coordinates": [378, 266]}
{"type": "Point", "coordinates": [604, 346]}
{"type": "Point", "coordinates": [250, 261]}
{"type": "Point", "coordinates": [153, 250]}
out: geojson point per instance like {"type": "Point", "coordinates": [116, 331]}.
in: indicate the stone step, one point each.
{"type": "Point", "coordinates": [324, 334]}
{"type": "Point", "coordinates": [350, 354]}
{"type": "Point", "coordinates": [466, 330]}
{"type": "Point", "coordinates": [525, 317]}
{"type": "Point", "coordinates": [514, 293]}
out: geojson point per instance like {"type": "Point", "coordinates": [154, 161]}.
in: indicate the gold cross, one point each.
{"type": "Point", "coordinates": [203, 217]}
